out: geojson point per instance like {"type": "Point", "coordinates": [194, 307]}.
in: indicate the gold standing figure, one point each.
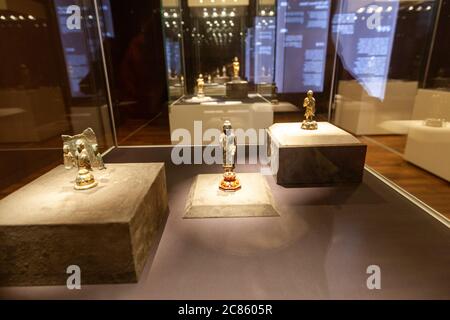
{"type": "Point", "coordinates": [228, 143]}
{"type": "Point", "coordinates": [69, 160]}
{"type": "Point", "coordinates": [200, 86]}
{"type": "Point", "coordinates": [85, 179]}
{"type": "Point", "coordinates": [236, 68]}
{"type": "Point", "coordinates": [310, 105]}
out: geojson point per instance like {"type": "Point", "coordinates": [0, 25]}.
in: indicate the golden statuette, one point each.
{"type": "Point", "coordinates": [69, 160]}
{"type": "Point", "coordinates": [310, 105]}
{"type": "Point", "coordinates": [228, 143]}
{"type": "Point", "coordinates": [85, 179]}
{"type": "Point", "coordinates": [82, 151]}
{"type": "Point", "coordinates": [98, 157]}
{"type": "Point", "coordinates": [200, 86]}
{"type": "Point", "coordinates": [236, 68]}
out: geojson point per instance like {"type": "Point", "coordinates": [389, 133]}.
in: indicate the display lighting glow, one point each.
{"type": "Point", "coordinates": [2, 17]}
{"type": "Point", "coordinates": [428, 8]}
{"type": "Point", "coordinates": [411, 8]}
{"type": "Point", "coordinates": [419, 8]}
{"type": "Point", "coordinates": [31, 17]}
{"type": "Point", "coordinates": [389, 9]}
{"type": "Point", "coordinates": [360, 10]}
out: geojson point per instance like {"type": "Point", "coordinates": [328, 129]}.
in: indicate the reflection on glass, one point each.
{"type": "Point", "coordinates": [172, 29]}
{"type": "Point", "coordinates": [302, 36]}
{"type": "Point", "coordinates": [51, 83]}
{"type": "Point", "coordinates": [392, 90]}
{"type": "Point", "coordinates": [364, 35]}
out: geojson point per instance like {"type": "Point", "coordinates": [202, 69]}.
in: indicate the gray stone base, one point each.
{"type": "Point", "coordinates": [237, 89]}
{"type": "Point", "coordinates": [107, 231]}
{"type": "Point", "coordinates": [309, 158]}
{"type": "Point", "coordinates": [206, 200]}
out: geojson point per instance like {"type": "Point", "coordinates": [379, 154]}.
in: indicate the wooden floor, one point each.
{"type": "Point", "coordinates": [384, 154]}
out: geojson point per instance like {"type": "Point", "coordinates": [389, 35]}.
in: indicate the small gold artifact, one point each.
{"type": "Point", "coordinates": [310, 105]}
{"type": "Point", "coordinates": [85, 179]}
{"type": "Point", "coordinates": [228, 142]}
{"type": "Point", "coordinates": [236, 68]}
{"type": "Point", "coordinates": [200, 86]}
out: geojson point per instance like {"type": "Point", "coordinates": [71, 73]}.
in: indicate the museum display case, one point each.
{"type": "Point", "coordinates": [263, 144]}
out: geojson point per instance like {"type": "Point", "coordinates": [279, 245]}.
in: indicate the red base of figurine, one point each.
{"type": "Point", "coordinates": [229, 182]}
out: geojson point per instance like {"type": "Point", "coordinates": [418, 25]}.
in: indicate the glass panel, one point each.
{"type": "Point", "coordinates": [391, 90]}
{"type": "Point", "coordinates": [136, 68]}
{"type": "Point", "coordinates": [173, 46]}
{"type": "Point", "coordinates": [51, 83]}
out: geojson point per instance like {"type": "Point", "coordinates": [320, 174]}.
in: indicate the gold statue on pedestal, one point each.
{"type": "Point", "coordinates": [228, 143]}
{"type": "Point", "coordinates": [85, 179]}
{"type": "Point", "coordinates": [310, 105]}
{"type": "Point", "coordinates": [236, 68]}
{"type": "Point", "coordinates": [82, 151]}
{"type": "Point", "coordinates": [200, 86]}
{"type": "Point", "coordinates": [69, 160]}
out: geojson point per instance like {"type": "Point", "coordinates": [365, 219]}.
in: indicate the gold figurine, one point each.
{"type": "Point", "coordinates": [69, 160]}
{"type": "Point", "coordinates": [236, 68]}
{"type": "Point", "coordinates": [98, 157]}
{"type": "Point", "coordinates": [310, 105]}
{"type": "Point", "coordinates": [228, 142]}
{"type": "Point", "coordinates": [85, 179]}
{"type": "Point", "coordinates": [200, 86]}
{"type": "Point", "coordinates": [82, 151]}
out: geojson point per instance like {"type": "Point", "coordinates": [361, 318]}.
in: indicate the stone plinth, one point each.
{"type": "Point", "coordinates": [107, 231]}
{"type": "Point", "coordinates": [325, 156]}
{"type": "Point", "coordinates": [237, 89]}
{"type": "Point", "coordinates": [206, 200]}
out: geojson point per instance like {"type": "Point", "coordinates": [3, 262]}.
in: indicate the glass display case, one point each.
{"type": "Point", "coordinates": [325, 123]}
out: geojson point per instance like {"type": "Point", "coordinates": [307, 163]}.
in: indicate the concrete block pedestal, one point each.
{"type": "Point", "coordinates": [107, 231]}
{"type": "Point", "coordinates": [206, 200]}
{"type": "Point", "coordinates": [309, 158]}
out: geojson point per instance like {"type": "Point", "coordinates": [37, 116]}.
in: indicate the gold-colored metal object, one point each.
{"type": "Point", "coordinates": [310, 105]}
{"type": "Point", "coordinates": [229, 181]}
{"type": "Point", "coordinates": [85, 179]}
{"type": "Point", "coordinates": [82, 151]}
{"type": "Point", "coordinates": [69, 160]}
{"type": "Point", "coordinates": [98, 157]}
{"type": "Point", "coordinates": [236, 68]}
{"type": "Point", "coordinates": [200, 86]}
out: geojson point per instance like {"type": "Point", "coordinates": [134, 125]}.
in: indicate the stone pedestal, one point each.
{"type": "Point", "coordinates": [325, 156]}
{"type": "Point", "coordinates": [206, 200]}
{"type": "Point", "coordinates": [237, 89]}
{"type": "Point", "coordinates": [107, 231]}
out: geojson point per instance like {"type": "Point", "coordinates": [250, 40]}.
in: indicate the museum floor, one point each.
{"type": "Point", "coordinates": [319, 247]}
